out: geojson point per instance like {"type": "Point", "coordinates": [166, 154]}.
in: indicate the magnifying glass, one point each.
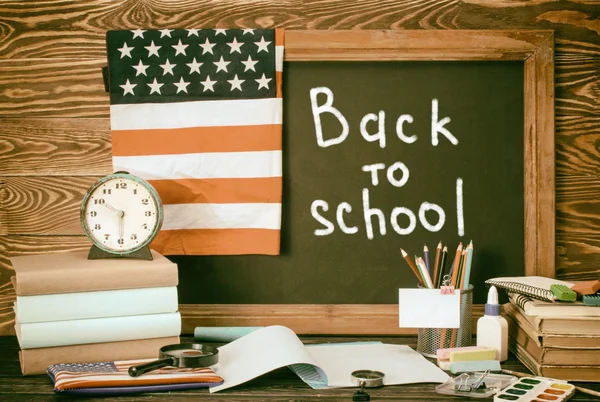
{"type": "Point", "coordinates": [185, 355]}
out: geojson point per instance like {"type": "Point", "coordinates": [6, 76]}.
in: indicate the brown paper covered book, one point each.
{"type": "Point", "coordinates": [36, 361]}
{"type": "Point", "coordinates": [68, 272]}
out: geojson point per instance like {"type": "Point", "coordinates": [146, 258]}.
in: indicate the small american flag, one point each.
{"type": "Point", "coordinates": [198, 113]}
{"type": "Point", "coordinates": [113, 377]}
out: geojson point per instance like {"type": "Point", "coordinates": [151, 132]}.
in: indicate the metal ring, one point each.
{"type": "Point", "coordinates": [368, 378]}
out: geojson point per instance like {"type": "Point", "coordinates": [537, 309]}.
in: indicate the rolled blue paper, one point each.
{"type": "Point", "coordinates": [221, 334]}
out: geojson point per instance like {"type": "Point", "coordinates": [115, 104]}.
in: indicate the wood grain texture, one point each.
{"type": "Point", "coordinates": [50, 85]}
{"type": "Point", "coordinates": [45, 205]}
{"type": "Point", "coordinates": [52, 88]}
{"type": "Point", "coordinates": [55, 147]}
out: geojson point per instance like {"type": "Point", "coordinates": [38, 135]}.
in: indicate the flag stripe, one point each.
{"type": "Point", "coordinates": [222, 216]}
{"type": "Point", "coordinates": [217, 242]}
{"type": "Point", "coordinates": [222, 191]}
{"type": "Point", "coordinates": [196, 140]}
{"type": "Point", "coordinates": [238, 112]}
{"type": "Point", "coordinates": [202, 166]}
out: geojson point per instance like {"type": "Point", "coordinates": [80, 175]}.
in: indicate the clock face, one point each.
{"type": "Point", "coordinates": [121, 215]}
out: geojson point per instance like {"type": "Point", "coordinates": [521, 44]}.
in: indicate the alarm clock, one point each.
{"type": "Point", "coordinates": [121, 214]}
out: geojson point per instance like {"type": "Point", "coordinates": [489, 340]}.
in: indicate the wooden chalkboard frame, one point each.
{"type": "Point", "coordinates": [535, 48]}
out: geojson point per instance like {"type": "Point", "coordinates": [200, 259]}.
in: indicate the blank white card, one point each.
{"type": "Point", "coordinates": [428, 308]}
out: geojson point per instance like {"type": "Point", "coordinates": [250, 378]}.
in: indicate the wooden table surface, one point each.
{"type": "Point", "coordinates": [279, 385]}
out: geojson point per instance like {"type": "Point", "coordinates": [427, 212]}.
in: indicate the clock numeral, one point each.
{"type": "Point", "coordinates": [145, 226]}
{"type": "Point", "coordinates": [99, 201]}
{"type": "Point", "coordinates": [97, 227]}
{"type": "Point", "coordinates": [106, 191]}
{"type": "Point", "coordinates": [120, 241]}
{"type": "Point", "coordinates": [144, 201]}
{"type": "Point", "coordinates": [134, 236]}
{"type": "Point", "coordinates": [93, 213]}
{"type": "Point", "coordinates": [121, 186]}
{"type": "Point", "coordinates": [148, 213]}
{"type": "Point", "coordinates": [106, 236]}
{"type": "Point", "coordinates": [135, 191]}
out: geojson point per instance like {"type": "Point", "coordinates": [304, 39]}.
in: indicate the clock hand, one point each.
{"type": "Point", "coordinates": [121, 223]}
{"type": "Point", "coordinates": [112, 208]}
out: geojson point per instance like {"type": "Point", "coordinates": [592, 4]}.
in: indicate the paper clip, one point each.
{"type": "Point", "coordinates": [463, 383]}
{"type": "Point", "coordinates": [447, 290]}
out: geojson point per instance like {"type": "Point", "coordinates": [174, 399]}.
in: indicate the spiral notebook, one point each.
{"type": "Point", "coordinates": [537, 287]}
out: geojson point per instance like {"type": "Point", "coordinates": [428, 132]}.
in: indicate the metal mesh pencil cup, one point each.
{"type": "Point", "coordinates": [432, 339]}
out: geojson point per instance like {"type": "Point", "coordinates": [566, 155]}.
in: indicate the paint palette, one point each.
{"type": "Point", "coordinates": [536, 389]}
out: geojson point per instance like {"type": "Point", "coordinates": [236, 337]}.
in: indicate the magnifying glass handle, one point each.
{"type": "Point", "coordinates": [140, 369]}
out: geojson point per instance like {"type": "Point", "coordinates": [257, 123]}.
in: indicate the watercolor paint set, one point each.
{"type": "Point", "coordinates": [536, 389]}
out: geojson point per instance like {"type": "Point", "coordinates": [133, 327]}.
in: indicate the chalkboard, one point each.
{"type": "Point", "coordinates": [390, 151]}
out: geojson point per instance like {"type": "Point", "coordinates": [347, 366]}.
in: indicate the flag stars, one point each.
{"type": "Point", "coordinates": [208, 84]}
{"type": "Point", "coordinates": [125, 50]}
{"type": "Point", "coordinates": [152, 49]}
{"type": "Point", "coordinates": [263, 82]}
{"type": "Point", "coordinates": [155, 87]}
{"type": "Point", "coordinates": [221, 64]}
{"type": "Point", "coordinates": [220, 32]}
{"type": "Point", "coordinates": [168, 68]}
{"type": "Point", "coordinates": [128, 88]}
{"type": "Point", "coordinates": [262, 45]}
{"type": "Point", "coordinates": [166, 32]}
{"type": "Point", "coordinates": [249, 64]}
{"type": "Point", "coordinates": [181, 85]}
{"type": "Point", "coordinates": [235, 46]}
{"type": "Point", "coordinates": [192, 32]}
{"type": "Point", "coordinates": [250, 31]}
{"type": "Point", "coordinates": [194, 66]}
{"type": "Point", "coordinates": [140, 69]}
{"type": "Point", "coordinates": [207, 47]}
{"type": "Point", "coordinates": [235, 83]}
{"type": "Point", "coordinates": [180, 48]}
{"type": "Point", "coordinates": [138, 33]}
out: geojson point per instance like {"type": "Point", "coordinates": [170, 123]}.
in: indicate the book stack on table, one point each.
{"type": "Point", "coordinates": [555, 339]}
{"type": "Point", "coordinates": [73, 310]}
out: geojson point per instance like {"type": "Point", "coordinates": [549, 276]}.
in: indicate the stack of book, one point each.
{"type": "Point", "coordinates": [555, 339]}
{"type": "Point", "coordinates": [73, 310]}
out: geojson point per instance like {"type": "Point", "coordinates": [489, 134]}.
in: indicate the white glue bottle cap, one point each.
{"type": "Point", "coordinates": [492, 307]}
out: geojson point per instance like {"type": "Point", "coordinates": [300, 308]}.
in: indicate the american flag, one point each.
{"type": "Point", "coordinates": [113, 375]}
{"type": "Point", "coordinates": [197, 113]}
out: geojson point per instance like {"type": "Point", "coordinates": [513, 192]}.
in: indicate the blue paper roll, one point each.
{"type": "Point", "coordinates": [221, 334]}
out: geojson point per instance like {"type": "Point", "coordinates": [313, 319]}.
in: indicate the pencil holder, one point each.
{"type": "Point", "coordinates": [432, 339]}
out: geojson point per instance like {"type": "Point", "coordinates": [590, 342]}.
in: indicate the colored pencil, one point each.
{"type": "Point", "coordinates": [412, 266]}
{"type": "Point", "coordinates": [455, 264]}
{"type": "Point", "coordinates": [436, 266]}
{"type": "Point", "coordinates": [467, 275]}
{"type": "Point", "coordinates": [440, 278]}
{"type": "Point", "coordinates": [423, 270]}
{"type": "Point", "coordinates": [463, 268]}
{"type": "Point", "coordinates": [426, 258]}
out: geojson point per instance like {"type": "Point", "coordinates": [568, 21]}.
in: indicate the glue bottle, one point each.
{"type": "Point", "coordinates": [492, 328]}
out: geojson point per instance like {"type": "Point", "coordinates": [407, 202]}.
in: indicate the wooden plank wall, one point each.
{"type": "Point", "coordinates": [54, 115]}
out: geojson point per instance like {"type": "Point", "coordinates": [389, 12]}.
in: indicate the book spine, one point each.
{"type": "Point", "coordinates": [36, 361]}
{"type": "Point", "coordinates": [99, 304]}
{"type": "Point", "coordinates": [119, 277]}
{"type": "Point", "coordinates": [97, 330]}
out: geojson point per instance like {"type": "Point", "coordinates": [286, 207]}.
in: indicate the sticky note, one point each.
{"type": "Point", "coordinates": [428, 308]}
{"type": "Point", "coordinates": [469, 355]}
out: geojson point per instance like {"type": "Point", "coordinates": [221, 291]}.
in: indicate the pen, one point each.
{"type": "Point", "coordinates": [412, 266]}
{"type": "Point", "coordinates": [467, 274]}
{"type": "Point", "coordinates": [423, 269]}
